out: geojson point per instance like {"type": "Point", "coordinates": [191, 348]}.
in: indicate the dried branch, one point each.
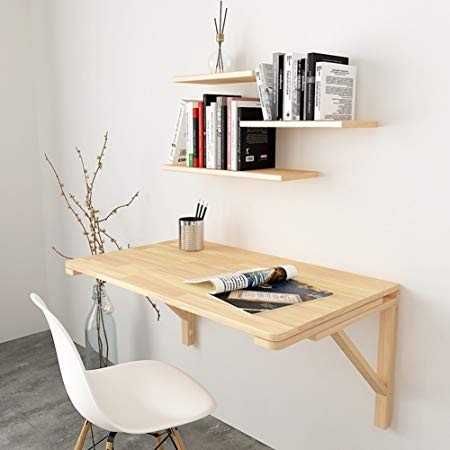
{"type": "Point", "coordinates": [112, 240]}
{"type": "Point", "coordinates": [78, 203]}
{"type": "Point", "coordinates": [85, 171]}
{"type": "Point", "coordinates": [69, 205]}
{"type": "Point", "coordinates": [59, 253]}
{"type": "Point", "coordinates": [99, 165]}
{"type": "Point", "coordinates": [114, 210]}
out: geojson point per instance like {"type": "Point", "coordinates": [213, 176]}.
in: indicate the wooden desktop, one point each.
{"type": "Point", "coordinates": [159, 271]}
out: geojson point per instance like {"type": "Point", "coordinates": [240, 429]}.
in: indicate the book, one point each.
{"type": "Point", "coordinates": [301, 89]}
{"type": "Point", "coordinates": [177, 154]}
{"type": "Point", "coordinates": [264, 84]}
{"type": "Point", "coordinates": [278, 75]}
{"type": "Point", "coordinates": [256, 290]}
{"type": "Point", "coordinates": [235, 129]}
{"type": "Point", "coordinates": [195, 135]}
{"type": "Point", "coordinates": [221, 129]}
{"type": "Point", "coordinates": [211, 136]}
{"type": "Point", "coordinates": [207, 100]}
{"type": "Point", "coordinates": [310, 73]}
{"type": "Point", "coordinates": [226, 282]}
{"type": "Point", "coordinates": [335, 92]}
{"type": "Point", "coordinates": [256, 146]}
{"type": "Point", "coordinates": [272, 296]}
{"type": "Point", "coordinates": [290, 85]}
{"type": "Point", "coordinates": [201, 134]}
{"type": "Point", "coordinates": [229, 127]}
{"type": "Point", "coordinates": [190, 105]}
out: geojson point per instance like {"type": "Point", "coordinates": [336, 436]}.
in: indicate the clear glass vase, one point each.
{"type": "Point", "coordinates": [100, 331]}
{"type": "Point", "coordinates": [220, 61]}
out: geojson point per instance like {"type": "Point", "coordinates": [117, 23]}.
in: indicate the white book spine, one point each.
{"type": "Point", "coordinates": [290, 85]}
{"type": "Point", "coordinates": [234, 132]}
{"type": "Point", "coordinates": [335, 91]}
{"type": "Point", "coordinates": [214, 135]}
{"type": "Point", "coordinates": [209, 157]}
{"type": "Point", "coordinates": [189, 133]}
{"type": "Point", "coordinates": [264, 91]}
{"type": "Point", "coordinates": [178, 145]}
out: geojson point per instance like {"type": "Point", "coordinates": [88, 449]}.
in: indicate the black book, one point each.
{"type": "Point", "coordinates": [256, 146]}
{"type": "Point", "coordinates": [302, 79]}
{"type": "Point", "coordinates": [310, 68]}
{"type": "Point", "coordinates": [278, 79]}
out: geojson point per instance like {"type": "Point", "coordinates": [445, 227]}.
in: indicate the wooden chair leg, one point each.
{"type": "Point", "coordinates": [82, 436]}
{"type": "Point", "coordinates": [177, 438]}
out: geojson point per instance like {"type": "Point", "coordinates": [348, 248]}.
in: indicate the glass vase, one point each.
{"type": "Point", "coordinates": [100, 331]}
{"type": "Point", "coordinates": [219, 61]}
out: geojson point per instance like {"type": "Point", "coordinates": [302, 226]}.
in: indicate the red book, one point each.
{"type": "Point", "coordinates": [196, 135]}
{"type": "Point", "coordinates": [201, 135]}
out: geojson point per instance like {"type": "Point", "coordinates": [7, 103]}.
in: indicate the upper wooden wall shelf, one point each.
{"type": "Point", "coordinates": [243, 76]}
{"type": "Point", "coordinates": [309, 124]}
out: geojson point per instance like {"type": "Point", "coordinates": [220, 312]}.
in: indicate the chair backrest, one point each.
{"type": "Point", "coordinates": [72, 369]}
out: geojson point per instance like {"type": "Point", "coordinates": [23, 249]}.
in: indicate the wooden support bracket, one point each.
{"type": "Point", "coordinates": [188, 326]}
{"type": "Point", "coordinates": [381, 380]}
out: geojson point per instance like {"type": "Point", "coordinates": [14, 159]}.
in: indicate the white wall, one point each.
{"type": "Point", "coordinates": [21, 231]}
{"type": "Point", "coordinates": [380, 209]}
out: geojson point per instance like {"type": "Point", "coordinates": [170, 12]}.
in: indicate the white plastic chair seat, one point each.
{"type": "Point", "coordinates": [136, 397]}
{"type": "Point", "coordinates": [147, 396]}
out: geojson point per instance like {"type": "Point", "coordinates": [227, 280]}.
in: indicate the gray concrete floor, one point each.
{"type": "Point", "coordinates": [35, 412]}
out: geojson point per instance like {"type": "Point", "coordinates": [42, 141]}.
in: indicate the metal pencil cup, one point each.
{"type": "Point", "coordinates": [190, 234]}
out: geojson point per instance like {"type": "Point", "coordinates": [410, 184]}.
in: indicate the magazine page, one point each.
{"type": "Point", "coordinates": [229, 282]}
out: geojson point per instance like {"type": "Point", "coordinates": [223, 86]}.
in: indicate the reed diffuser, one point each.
{"type": "Point", "coordinates": [219, 61]}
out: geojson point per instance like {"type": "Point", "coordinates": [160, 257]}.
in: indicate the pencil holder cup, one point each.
{"type": "Point", "coordinates": [190, 234]}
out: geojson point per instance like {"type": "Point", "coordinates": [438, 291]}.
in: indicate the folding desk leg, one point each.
{"type": "Point", "coordinates": [188, 325]}
{"type": "Point", "coordinates": [386, 365]}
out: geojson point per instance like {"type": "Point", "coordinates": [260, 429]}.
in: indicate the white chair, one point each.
{"type": "Point", "coordinates": [139, 397]}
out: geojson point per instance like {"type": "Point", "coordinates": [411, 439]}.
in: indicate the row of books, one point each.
{"type": "Point", "coordinates": [208, 134]}
{"type": "Point", "coordinates": [312, 86]}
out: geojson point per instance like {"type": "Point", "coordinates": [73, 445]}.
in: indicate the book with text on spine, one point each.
{"type": "Point", "coordinates": [278, 76]}
{"type": "Point", "coordinates": [256, 146]}
{"type": "Point", "coordinates": [310, 68]}
{"type": "Point", "coordinates": [291, 107]}
{"type": "Point", "coordinates": [264, 84]}
{"type": "Point", "coordinates": [235, 129]}
{"type": "Point", "coordinates": [335, 92]}
{"type": "Point", "coordinates": [177, 154]}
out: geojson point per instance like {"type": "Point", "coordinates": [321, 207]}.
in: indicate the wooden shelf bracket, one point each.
{"type": "Point", "coordinates": [382, 379]}
{"type": "Point", "coordinates": [188, 326]}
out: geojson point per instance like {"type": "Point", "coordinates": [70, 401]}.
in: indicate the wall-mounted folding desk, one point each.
{"type": "Point", "coordinates": [159, 271]}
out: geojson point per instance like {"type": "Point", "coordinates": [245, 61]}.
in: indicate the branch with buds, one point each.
{"type": "Point", "coordinates": [93, 227]}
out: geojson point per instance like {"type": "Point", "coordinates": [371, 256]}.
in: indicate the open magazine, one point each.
{"type": "Point", "coordinates": [259, 290]}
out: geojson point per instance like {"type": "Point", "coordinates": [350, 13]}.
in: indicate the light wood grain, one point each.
{"type": "Point", "coordinates": [309, 124]}
{"type": "Point", "coordinates": [82, 436]}
{"type": "Point", "coordinates": [159, 271]}
{"type": "Point", "coordinates": [386, 366]}
{"type": "Point", "coordinates": [178, 440]}
{"type": "Point", "coordinates": [243, 76]}
{"type": "Point", "coordinates": [317, 332]}
{"type": "Point", "coordinates": [188, 326]}
{"type": "Point", "coordinates": [352, 318]}
{"type": "Point", "coordinates": [360, 363]}
{"type": "Point", "coordinates": [261, 174]}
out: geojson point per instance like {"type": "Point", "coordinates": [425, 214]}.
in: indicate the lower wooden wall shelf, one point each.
{"type": "Point", "coordinates": [262, 174]}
